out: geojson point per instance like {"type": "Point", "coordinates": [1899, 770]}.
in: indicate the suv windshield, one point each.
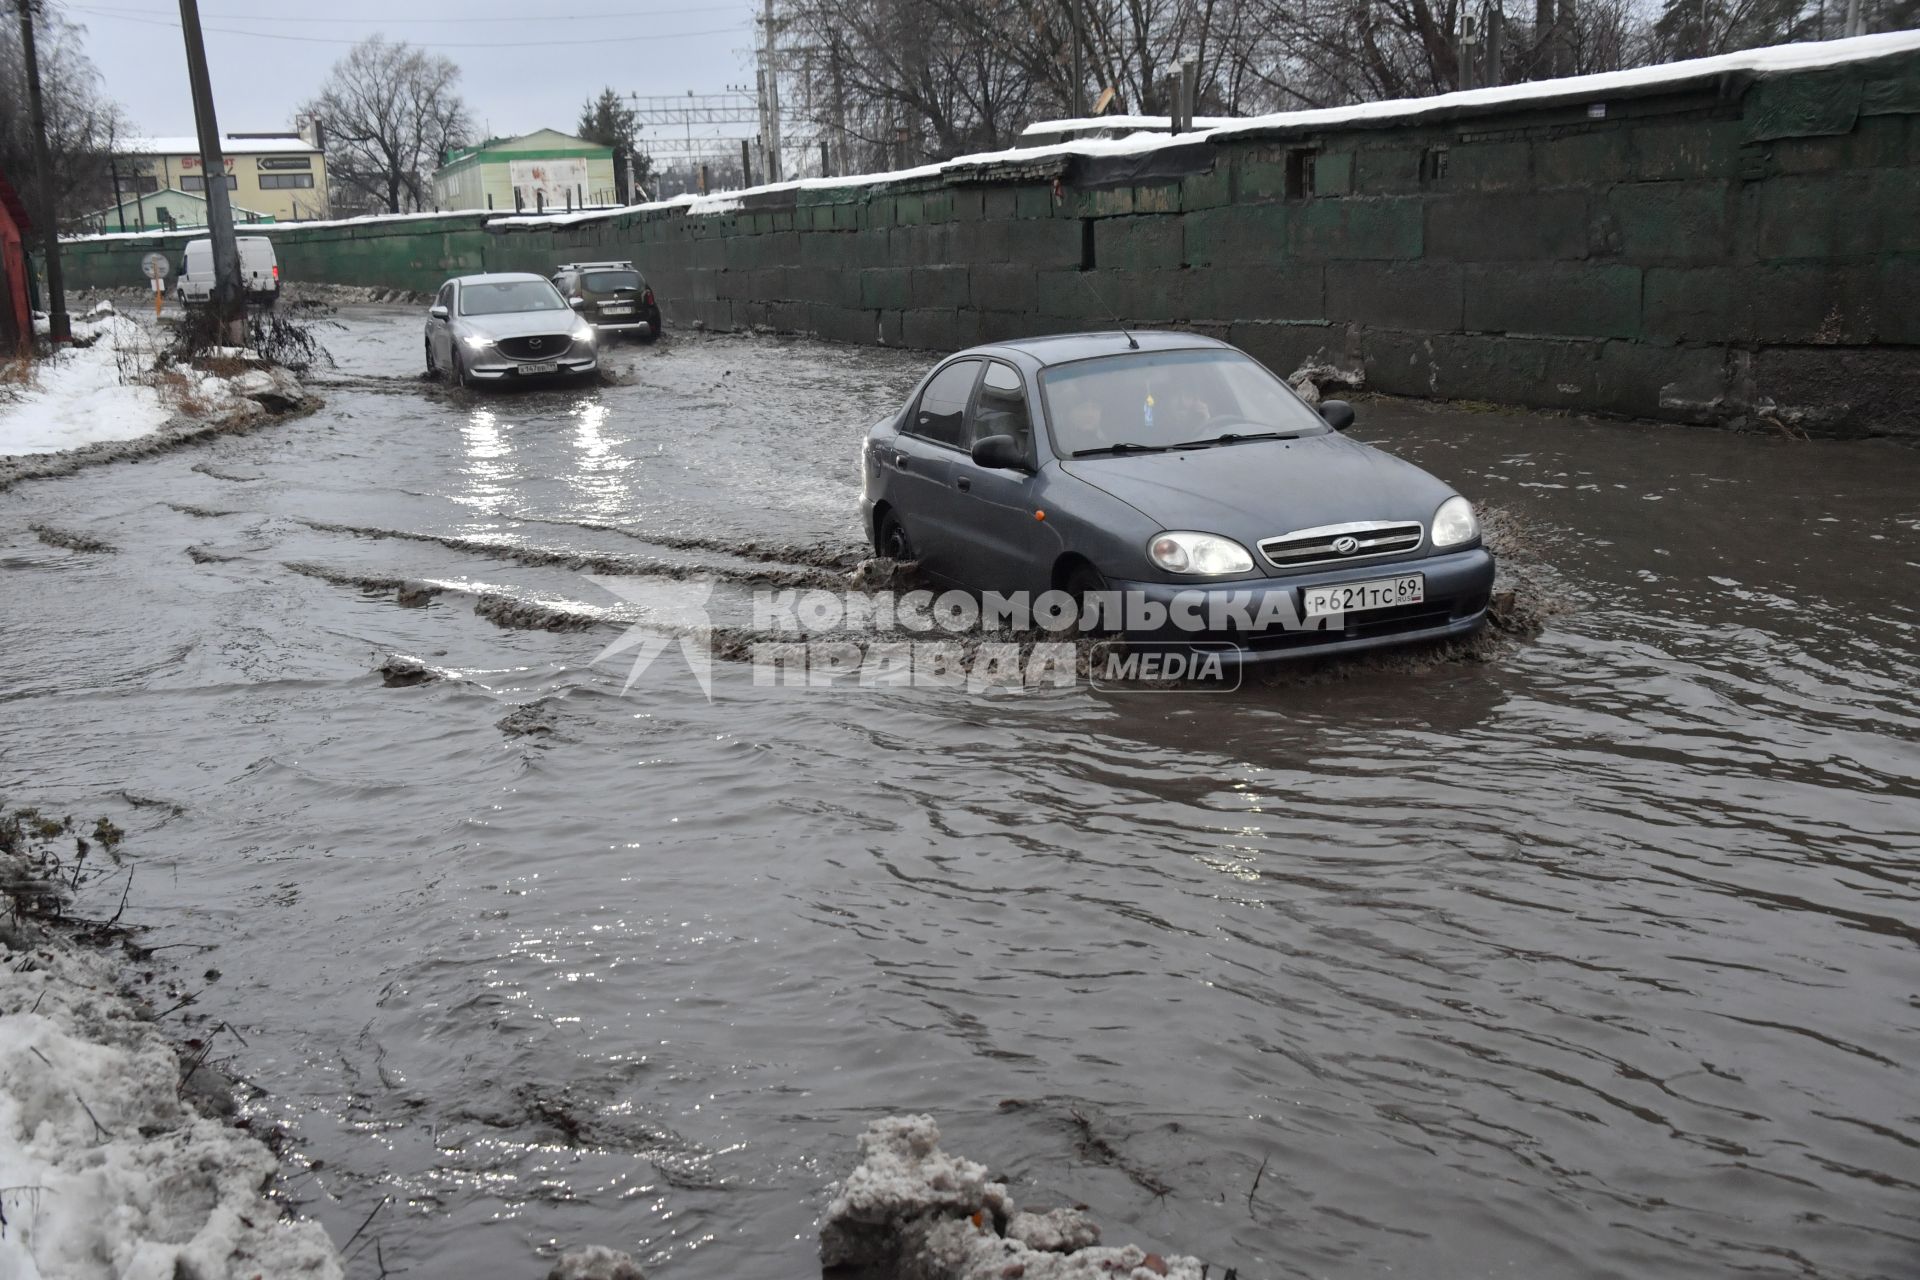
{"type": "Point", "coordinates": [497, 297]}
{"type": "Point", "coordinates": [608, 281]}
{"type": "Point", "coordinates": [1169, 400]}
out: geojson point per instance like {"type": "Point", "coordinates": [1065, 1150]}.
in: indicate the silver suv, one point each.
{"type": "Point", "coordinates": [506, 326]}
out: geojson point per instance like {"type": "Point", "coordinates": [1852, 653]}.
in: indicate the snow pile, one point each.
{"type": "Point", "coordinates": [105, 1173]}
{"type": "Point", "coordinates": [76, 397]}
{"type": "Point", "coordinates": [111, 386]}
{"type": "Point", "coordinates": [911, 1211]}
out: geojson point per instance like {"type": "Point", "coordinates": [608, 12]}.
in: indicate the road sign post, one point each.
{"type": "Point", "coordinates": [155, 267]}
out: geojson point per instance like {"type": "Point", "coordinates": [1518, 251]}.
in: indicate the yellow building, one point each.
{"type": "Point", "coordinates": [281, 175]}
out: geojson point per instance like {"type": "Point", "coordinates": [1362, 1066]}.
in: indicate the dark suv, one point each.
{"type": "Point", "coordinates": [612, 296]}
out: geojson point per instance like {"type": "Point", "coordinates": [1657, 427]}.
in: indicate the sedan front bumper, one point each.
{"type": "Point", "coordinates": [491, 366]}
{"type": "Point", "coordinates": [1263, 618]}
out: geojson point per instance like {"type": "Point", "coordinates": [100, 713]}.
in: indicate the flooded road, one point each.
{"type": "Point", "coordinates": [1597, 958]}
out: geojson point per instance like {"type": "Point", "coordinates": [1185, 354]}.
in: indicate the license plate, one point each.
{"type": "Point", "coordinates": [1358, 597]}
{"type": "Point", "coordinates": [623, 309]}
{"type": "Point", "coordinates": [545, 366]}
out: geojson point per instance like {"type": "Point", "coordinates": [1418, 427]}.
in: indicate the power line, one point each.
{"type": "Point", "coordinates": [425, 44]}
{"type": "Point", "coordinates": [116, 11]}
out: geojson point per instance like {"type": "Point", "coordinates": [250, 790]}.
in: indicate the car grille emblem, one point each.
{"type": "Point", "coordinates": [1346, 544]}
{"type": "Point", "coordinates": [535, 344]}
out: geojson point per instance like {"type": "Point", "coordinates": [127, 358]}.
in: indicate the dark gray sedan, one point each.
{"type": "Point", "coordinates": [1180, 483]}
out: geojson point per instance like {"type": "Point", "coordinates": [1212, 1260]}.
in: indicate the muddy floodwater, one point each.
{"type": "Point", "coordinates": [1596, 957]}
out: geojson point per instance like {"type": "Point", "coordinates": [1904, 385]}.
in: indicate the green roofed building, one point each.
{"type": "Point", "coordinates": [547, 169]}
{"type": "Point", "coordinates": [167, 209]}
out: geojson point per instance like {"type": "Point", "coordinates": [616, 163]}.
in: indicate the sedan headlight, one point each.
{"type": "Point", "coordinates": [1454, 524]}
{"type": "Point", "coordinates": [476, 342]}
{"type": "Point", "coordinates": [1182, 552]}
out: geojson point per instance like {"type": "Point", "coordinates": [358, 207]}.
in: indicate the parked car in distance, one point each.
{"type": "Point", "coordinates": [259, 271]}
{"type": "Point", "coordinates": [1155, 464]}
{"type": "Point", "coordinates": [613, 296]}
{"type": "Point", "coordinates": [506, 326]}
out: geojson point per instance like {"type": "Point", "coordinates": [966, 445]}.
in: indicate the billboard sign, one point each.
{"type": "Point", "coordinates": [550, 180]}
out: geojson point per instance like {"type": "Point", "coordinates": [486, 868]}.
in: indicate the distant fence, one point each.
{"type": "Point", "coordinates": [1735, 240]}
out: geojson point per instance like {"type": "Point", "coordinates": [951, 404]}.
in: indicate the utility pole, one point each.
{"type": "Point", "coordinates": [59, 327]}
{"type": "Point", "coordinates": [1856, 26]}
{"type": "Point", "coordinates": [1079, 63]}
{"type": "Point", "coordinates": [839, 113]}
{"type": "Point", "coordinates": [771, 61]}
{"type": "Point", "coordinates": [228, 300]}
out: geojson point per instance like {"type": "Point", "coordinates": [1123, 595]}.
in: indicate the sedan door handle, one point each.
{"type": "Point", "coordinates": [964, 485]}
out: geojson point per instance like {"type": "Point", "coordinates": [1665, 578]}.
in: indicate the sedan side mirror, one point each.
{"type": "Point", "coordinates": [437, 311]}
{"type": "Point", "coordinates": [1338, 413]}
{"type": "Point", "coordinates": [1002, 452]}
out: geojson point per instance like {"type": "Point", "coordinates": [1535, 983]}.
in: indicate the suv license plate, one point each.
{"type": "Point", "coordinates": [545, 366]}
{"type": "Point", "coordinates": [1358, 597]}
{"type": "Point", "coordinates": [617, 309]}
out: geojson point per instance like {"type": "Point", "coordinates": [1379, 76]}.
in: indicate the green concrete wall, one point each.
{"type": "Point", "coordinates": [1744, 250]}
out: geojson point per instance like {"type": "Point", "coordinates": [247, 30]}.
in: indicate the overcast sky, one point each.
{"type": "Point", "coordinates": [514, 85]}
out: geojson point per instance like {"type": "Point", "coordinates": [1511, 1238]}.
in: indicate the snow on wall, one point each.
{"type": "Point", "coordinates": [1779, 58]}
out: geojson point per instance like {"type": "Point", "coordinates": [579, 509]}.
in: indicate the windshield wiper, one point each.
{"type": "Point", "coordinates": [1125, 446]}
{"type": "Point", "coordinates": [1233, 437]}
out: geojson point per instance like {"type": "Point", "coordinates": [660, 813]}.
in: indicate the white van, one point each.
{"type": "Point", "coordinates": [259, 271]}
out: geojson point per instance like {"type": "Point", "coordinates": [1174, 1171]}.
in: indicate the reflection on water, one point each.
{"type": "Point", "coordinates": [1595, 959]}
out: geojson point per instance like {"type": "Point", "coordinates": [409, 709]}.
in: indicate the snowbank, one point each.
{"type": "Point", "coordinates": [911, 1211]}
{"type": "Point", "coordinates": [105, 1173]}
{"type": "Point", "coordinates": [76, 397]}
{"type": "Point", "coordinates": [116, 390]}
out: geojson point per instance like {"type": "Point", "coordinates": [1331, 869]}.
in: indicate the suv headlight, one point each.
{"type": "Point", "coordinates": [1454, 524]}
{"type": "Point", "coordinates": [1178, 551]}
{"type": "Point", "coordinates": [583, 334]}
{"type": "Point", "coordinates": [477, 341]}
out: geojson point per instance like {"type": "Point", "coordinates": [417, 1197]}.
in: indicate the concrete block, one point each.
{"type": "Point", "coordinates": [1641, 380]}
{"type": "Point", "coordinates": [1396, 295]}
{"type": "Point", "coordinates": [1515, 227]}
{"type": "Point", "coordinates": [1208, 190]}
{"type": "Point", "coordinates": [1333, 173]}
{"type": "Point", "coordinates": [1490, 166]}
{"type": "Point", "coordinates": [886, 287]}
{"type": "Point", "coordinates": [1237, 235]}
{"type": "Point", "coordinates": [1689, 149]}
{"type": "Point", "coordinates": [1387, 170]}
{"type": "Point", "coordinates": [1398, 362]}
{"type": "Point", "coordinates": [1284, 347]}
{"type": "Point", "coordinates": [1295, 291]}
{"type": "Point", "coordinates": [930, 330]}
{"type": "Point", "coordinates": [1139, 242]}
{"type": "Point", "coordinates": [1675, 221]}
{"type": "Point", "coordinates": [1588, 300]}
{"type": "Point", "coordinates": [939, 287]}
{"type": "Point", "coordinates": [1034, 202]}
{"type": "Point", "coordinates": [999, 202]}
{"type": "Point", "coordinates": [1363, 227]}
{"type": "Point", "coordinates": [1548, 373]}
{"type": "Point", "coordinates": [1159, 197]}
{"type": "Point", "coordinates": [1004, 286]}
{"type": "Point", "coordinates": [1841, 392]}
{"type": "Point", "coordinates": [1815, 216]}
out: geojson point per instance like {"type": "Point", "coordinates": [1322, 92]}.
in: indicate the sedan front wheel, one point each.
{"type": "Point", "coordinates": [891, 540]}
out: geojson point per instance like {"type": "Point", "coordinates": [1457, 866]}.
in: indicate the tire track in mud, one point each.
{"type": "Point", "coordinates": [590, 561]}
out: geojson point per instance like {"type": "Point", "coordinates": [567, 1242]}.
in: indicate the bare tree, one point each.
{"type": "Point", "coordinates": [391, 114]}
{"type": "Point", "coordinates": [83, 125]}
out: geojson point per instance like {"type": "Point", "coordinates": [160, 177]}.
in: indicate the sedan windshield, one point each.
{"type": "Point", "coordinates": [1154, 400]}
{"type": "Point", "coordinates": [498, 297]}
{"type": "Point", "coordinates": [608, 281]}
